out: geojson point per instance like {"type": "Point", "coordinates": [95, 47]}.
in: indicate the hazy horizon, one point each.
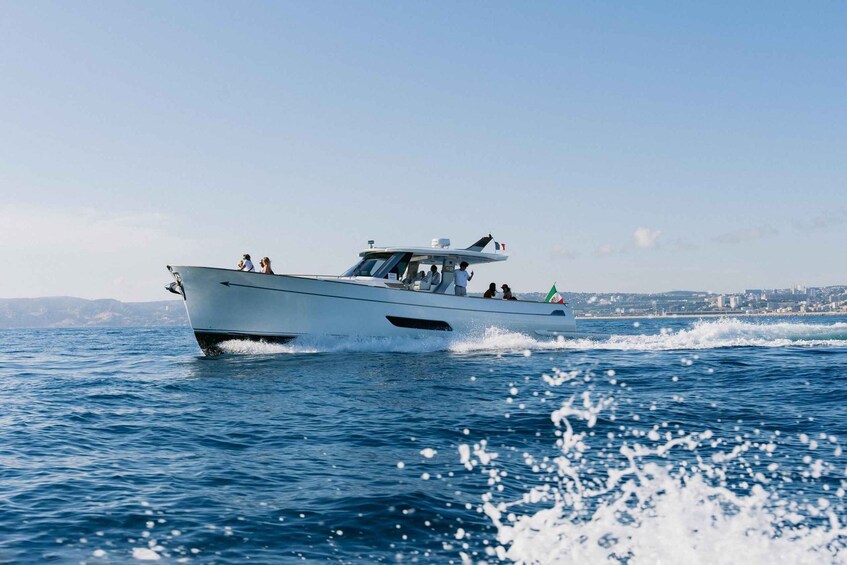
{"type": "Point", "coordinates": [635, 147]}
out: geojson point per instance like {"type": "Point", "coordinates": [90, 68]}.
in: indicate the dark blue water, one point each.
{"type": "Point", "coordinates": [122, 444]}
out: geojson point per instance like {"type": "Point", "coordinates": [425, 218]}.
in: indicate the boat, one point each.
{"type": "Point", "coordinates": [376, 297]}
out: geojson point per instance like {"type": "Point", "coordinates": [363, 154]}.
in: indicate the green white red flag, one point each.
{"type": "Point", "coordinates": [554, 296]}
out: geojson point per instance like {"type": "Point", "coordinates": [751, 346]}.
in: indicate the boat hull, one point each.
{"type": "Point", "coordinates": [223, 304]}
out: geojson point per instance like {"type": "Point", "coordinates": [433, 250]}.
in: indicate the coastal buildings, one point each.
{"type": "Point", "coordinates": [798, 299]}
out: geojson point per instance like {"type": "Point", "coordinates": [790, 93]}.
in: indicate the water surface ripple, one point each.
{"type": "Point", "coordinates": [127, 444]}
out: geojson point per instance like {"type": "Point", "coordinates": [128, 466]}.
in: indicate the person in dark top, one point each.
{"type": "Point", "coordinates": [507, 293]}
{"type": "Point", "coordinates": [491, 292]}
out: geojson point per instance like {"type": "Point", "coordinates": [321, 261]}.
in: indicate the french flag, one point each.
{"type": "Point", "coordinates": [499, 246]}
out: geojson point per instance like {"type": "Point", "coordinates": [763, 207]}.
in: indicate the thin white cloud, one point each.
{"type": "Point", "coordinates": [561, 252]}
{"type": "Point", "coordinates": [746, 234]}
{"type": "Point", "coordinates": [604, 250]}
{"type": "Point", "coordinates": [87, 253]}
{"type": "Point", "coordinates": [84, 229]}
{"type": "Point", "coordinates": [681, 244]}
{"type": "Point", "coordinates": [821, 221]}
{"type": "Point", "coordinates": [646, 237]}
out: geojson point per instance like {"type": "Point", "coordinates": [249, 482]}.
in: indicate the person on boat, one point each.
{"type": "Point", "coordinates": [461, 279]}
{"type": "Point", "coordinates": [491, 292]}
{"type": "Point", "coordinates": [246, 264]}
{"type": "Point", "coordinates": [507, 292]}
{"type": "Point", "coordinates": [421, 281]}
{"type": "Point", "coordinates": [434, 276]}
{"type": "Point", "coordinates": [265, 264]}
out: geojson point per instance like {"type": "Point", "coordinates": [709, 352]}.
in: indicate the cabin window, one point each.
{"type": "Point", "coordinates": [396, 265]}
{"type": "Point", "coordinates": [379, 265]}
{"type": "Point", "coordinates": [368, 266]}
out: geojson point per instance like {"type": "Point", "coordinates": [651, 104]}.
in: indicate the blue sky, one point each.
{"type": "Point", "coordinates": [614, 147]}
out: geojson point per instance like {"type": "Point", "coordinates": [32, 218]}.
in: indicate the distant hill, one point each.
{"type": "Point", "coordinates": [68, 312]}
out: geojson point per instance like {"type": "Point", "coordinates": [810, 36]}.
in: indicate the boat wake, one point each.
{"type": "Point", "coordinates": [726, 332]}
{"type": "Point", "coordinates": [712, 334]}
{"type": "Point", "coordinates": [626, 492]}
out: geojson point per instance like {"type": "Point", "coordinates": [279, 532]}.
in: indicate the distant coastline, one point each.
{"type": "Point", "coordinates": [798, 300]}
{"type": "Point", "coordinates": [71, 312]}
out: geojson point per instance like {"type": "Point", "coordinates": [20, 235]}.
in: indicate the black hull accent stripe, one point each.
{"type": "Point", "coordinates": [419, 324]}
{"type": "Point", "coordinates": [229, 284]}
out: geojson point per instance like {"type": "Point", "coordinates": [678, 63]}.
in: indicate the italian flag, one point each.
{"type": "Point", "coordinates": [554, 296]}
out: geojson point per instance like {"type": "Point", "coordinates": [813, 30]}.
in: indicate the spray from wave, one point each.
{"type": "Point", "coordinates": [701, 335]}
{"type": "Point", "coordinates": [631, 493]}
{"type": "Point", "coordinates": [729, 332]}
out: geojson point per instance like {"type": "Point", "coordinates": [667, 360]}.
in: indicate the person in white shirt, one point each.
{"type": "Point", "coordinates": [434, 276]}
{"type": "Point", "coordinates": [461, 279]}
{"type": "Point", "coordinates": [246, 264]}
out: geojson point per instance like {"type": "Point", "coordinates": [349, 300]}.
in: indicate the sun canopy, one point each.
{"type": "Point", "coordinates": [458, 255]}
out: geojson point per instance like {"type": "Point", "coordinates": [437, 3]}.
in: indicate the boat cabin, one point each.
{"type": "Point", "coordinates": [401, 267]}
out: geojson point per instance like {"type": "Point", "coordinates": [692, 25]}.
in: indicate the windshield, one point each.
{"type": "Point", "coordinates": [368, 266]}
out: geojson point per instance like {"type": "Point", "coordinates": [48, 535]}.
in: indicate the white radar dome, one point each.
{"type": "Point", "coordinates": [441, 242]}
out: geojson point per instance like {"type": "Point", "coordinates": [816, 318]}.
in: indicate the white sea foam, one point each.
{"type": "Point", "coordinates": [145, 554]}
{"type": "Point", "coordinates": [331, 344]}
{"type": "Point", "coordinates": [658, 498]}
{"type": "Point", "coordinates": [726, 332]}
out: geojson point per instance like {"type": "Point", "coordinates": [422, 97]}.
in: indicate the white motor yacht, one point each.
{"type": "Point", "coordinates": [377, 297]}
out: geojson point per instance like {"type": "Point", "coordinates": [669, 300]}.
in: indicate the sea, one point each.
{"type": "Point", "coordinates": [646, 441]}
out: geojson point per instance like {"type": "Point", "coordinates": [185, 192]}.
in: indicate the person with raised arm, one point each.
{"type": "Point", "coordinates": [265, 265]}
{"type": "Point", "coordinates": [461, 279]}
{"type": "Point", "coordinates": [246, 264]}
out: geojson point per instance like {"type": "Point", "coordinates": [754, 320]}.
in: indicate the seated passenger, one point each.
{"type": "Point", "coordinates": [491, 292]}
{"type": "Point", "coordinates": [246, 264]}
{"type": "Point", "coordinates": [421, 282]}
{"type": "Point", "coordinates": [507, 293]}
{"type": "Point", "coordinates": [434, 276]}
{"type": "Point", "coordinates": [265, 264]}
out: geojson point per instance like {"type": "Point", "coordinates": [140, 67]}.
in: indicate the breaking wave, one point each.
{"type": "Point", "coordinates": [711, 334]}
{"type": "Point", "coordinates": [725, 332]}
{"type": "Point", "coordinates": [626, 492]}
